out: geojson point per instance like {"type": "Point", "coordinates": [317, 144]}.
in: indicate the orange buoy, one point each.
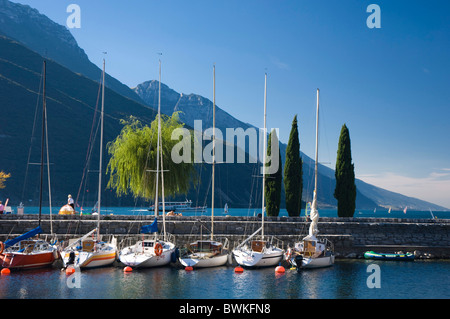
{"type": "Point", "coordinates": [280, 270]}
{"type": "Point", "coordinates": [5, 271]}
{"type": "Point", "coordinates": [238, 269]}
{"type": "Point", "coordinates": [127, 269]}
{"type": "Point", "coordinates": [188, 268]}
{"type": "Point", "coordinates": [70, 270]}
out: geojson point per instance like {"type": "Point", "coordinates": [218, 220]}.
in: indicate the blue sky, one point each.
{"type": "Point", "coordinates": [391, 86]}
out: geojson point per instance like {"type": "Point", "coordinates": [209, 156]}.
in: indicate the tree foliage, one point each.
{"type": "Point", "coordinates": [345, 191]}
{"type": "Point", "coordinates": [3, 178]}
{"type": "Point", "coordinates": [293, 171]}
{"type": "Point", "coordinates": [272, 191]}
{"type": "Point", "coordinates": [133, 159]}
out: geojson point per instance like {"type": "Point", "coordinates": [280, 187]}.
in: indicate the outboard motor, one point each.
{"type": "Point", "coordinates": [71, 258]}
{"type": "Point", "coordinates": [298, 261]}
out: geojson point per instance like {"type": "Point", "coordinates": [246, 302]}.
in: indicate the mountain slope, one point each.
{"type": "Point", "coordinates": [52, 41]}
{"type": "Point", "coordinates": [71, 103]}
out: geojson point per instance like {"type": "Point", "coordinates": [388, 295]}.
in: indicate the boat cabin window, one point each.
{"type": "Point", "coordinates": [148, 244]}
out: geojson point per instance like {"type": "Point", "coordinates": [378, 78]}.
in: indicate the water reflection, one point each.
{"type": "Point", "coordinates": [346, 279]}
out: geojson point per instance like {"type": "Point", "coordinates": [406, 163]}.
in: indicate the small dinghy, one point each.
{"type": "Point", "coordinates": [388, 256]}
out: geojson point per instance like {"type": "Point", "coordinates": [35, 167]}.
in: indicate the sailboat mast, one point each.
{"type": "Point", "coordinates": [101, 153]}
{"type": "Point", "coordinates": [42, 142]}
{"type": "Point", "coordinates": [264, 155]}
{"type": "Point", "coordinates": [317, 144]}
{"type": "Point", "coordinates": [162, 193]}
{"type": "Point", "coordinates": [214, 151]}
{"type": "Point", "coordinates": [158, 144]}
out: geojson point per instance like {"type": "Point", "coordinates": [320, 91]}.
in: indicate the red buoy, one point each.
{"type": "Point", "coordinates": [5, 271]}
{"type": "Point", "coordinates": [127, 269]}
{"type": "Point", "coordinates": [238, 269]}
{"type": "Point", "coordinates": [70, 270]}
{"type": "Point", "coordinates": [280, 270]}
{"type": "Point", "coordinates": [188, 268]}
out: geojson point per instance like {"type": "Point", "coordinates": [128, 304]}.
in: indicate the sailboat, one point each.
{"type": "Point", "coordinates": [23, 252]}
{"type": "Point", "coordinates": [152, 252]}
{"type": "Point", "coordinates": [259, 253]}
{"type": "Point", "coordinates": [207, 253]}
{"type": "Point", "coordinates": [89, 251]}
{"type": "Point", "coordinates": [312, 252]}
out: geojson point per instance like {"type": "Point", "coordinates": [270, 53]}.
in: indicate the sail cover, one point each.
{"type": "Point", "coordinates": [27, 235]}
{"type": "Point", "coordinates": [152, 228]}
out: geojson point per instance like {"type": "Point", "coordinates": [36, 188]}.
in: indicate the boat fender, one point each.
{"type": "Point", "coordinates": [174, 256]}
{"type": "Point", "coordinates": [2, 247]}
{"type": "Point", "coordinates": [158, 249]}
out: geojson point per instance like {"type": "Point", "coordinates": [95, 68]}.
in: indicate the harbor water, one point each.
{"type": "Point", "coordinates": [346, 279]}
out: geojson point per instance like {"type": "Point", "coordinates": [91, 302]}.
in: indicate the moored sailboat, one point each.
{"type": "Point", "coordinates": [207, 253]}
{"type": "Point", "coordinates": [23, 252]}
{"type": "Point", "coordinates": [90, 251]}
{"type": "Point", "coordinates": [312, 252]}
{"type": "Point", "coordinates": [152, 252]}
{"type": "Point", "coordinates": [259, 253]}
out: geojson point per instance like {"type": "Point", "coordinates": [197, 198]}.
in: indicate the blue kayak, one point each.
{"type": "Point", "coordinates": [385, 256]}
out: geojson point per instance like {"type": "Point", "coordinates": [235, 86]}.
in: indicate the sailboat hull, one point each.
{"type": "Point", "coordinates": [17, 260]}
{"type": "Point", "coordinates": [96, 259]}
{"type": "Point", "coordinates": [146, 261]}
{"type": "Point", "coordinates": [319, 262]}
{"type": "Point", "coordinates": [196, 262]}
{"type": "Point", "coordinates": [258, 259]}
{"type": "Point", "coordinates": [134, 257]}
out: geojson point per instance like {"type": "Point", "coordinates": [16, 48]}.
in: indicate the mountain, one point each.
{"type": "Point", "coordinates": [52, 41]}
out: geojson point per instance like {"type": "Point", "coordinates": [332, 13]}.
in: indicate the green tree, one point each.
{"type": "Point", "coordinates": [272, 191]}
{"type": "Point", "coordinates": [3, 178]}
{"type": "Point", "coordinates": [345, 191]}
{"type": "Point", "coordinates": [133, 159]}
{"type": "Point", "coordinates": [293, 171]}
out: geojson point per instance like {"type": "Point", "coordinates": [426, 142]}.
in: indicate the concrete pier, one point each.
{"type": "Point", "coordinates": [351, 236]}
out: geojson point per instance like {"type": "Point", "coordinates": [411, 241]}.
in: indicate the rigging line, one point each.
{"type": "Point", "coordinates": [90, 143]}
{"type": "Point", "coordinates": [32, 132]}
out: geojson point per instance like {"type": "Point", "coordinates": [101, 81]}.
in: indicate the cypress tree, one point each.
{"type": "Point", "coordinates": [272, 191]}
{"type": "Point", "coordinates": [345, 191]}
{"type": "Point", "coordinates": [293, 179]}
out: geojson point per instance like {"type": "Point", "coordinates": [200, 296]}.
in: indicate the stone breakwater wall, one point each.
{"type": "Point", "coordinates": [351, 236]}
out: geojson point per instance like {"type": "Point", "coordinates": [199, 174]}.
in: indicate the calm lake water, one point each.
{"type": "Point", "coordinates": [347, 279]}
{"type": "Point", "coordinates": [255, 211]}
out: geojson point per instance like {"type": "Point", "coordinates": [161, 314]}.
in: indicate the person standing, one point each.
{"type": "Point", "coordinates": [70, 201]}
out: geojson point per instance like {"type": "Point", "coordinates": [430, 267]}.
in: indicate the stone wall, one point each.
{"type": "Point", "coordinates": [349, 235]}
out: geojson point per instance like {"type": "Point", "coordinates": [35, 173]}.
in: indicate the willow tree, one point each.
{"type": "Point", "coordinates": [345, 191]}
{"type": "Point", "coordinates": [293, 179]}
{"type": "Point", "coordinates": [272, 189]}
{"type": "Point", "coordinates": [132, 166]}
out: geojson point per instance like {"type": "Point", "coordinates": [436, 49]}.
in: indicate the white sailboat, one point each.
{"type": "Point", "coordinates": [259, 253]}
{"type": "Point", "coordinates": [312, 252]}
{"type": "Point", "coordinates": [208, 253]}
{"type": "Point", "coordinates": [89, 251]}
{"type": "Point", "coordinates": [152, 252]}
